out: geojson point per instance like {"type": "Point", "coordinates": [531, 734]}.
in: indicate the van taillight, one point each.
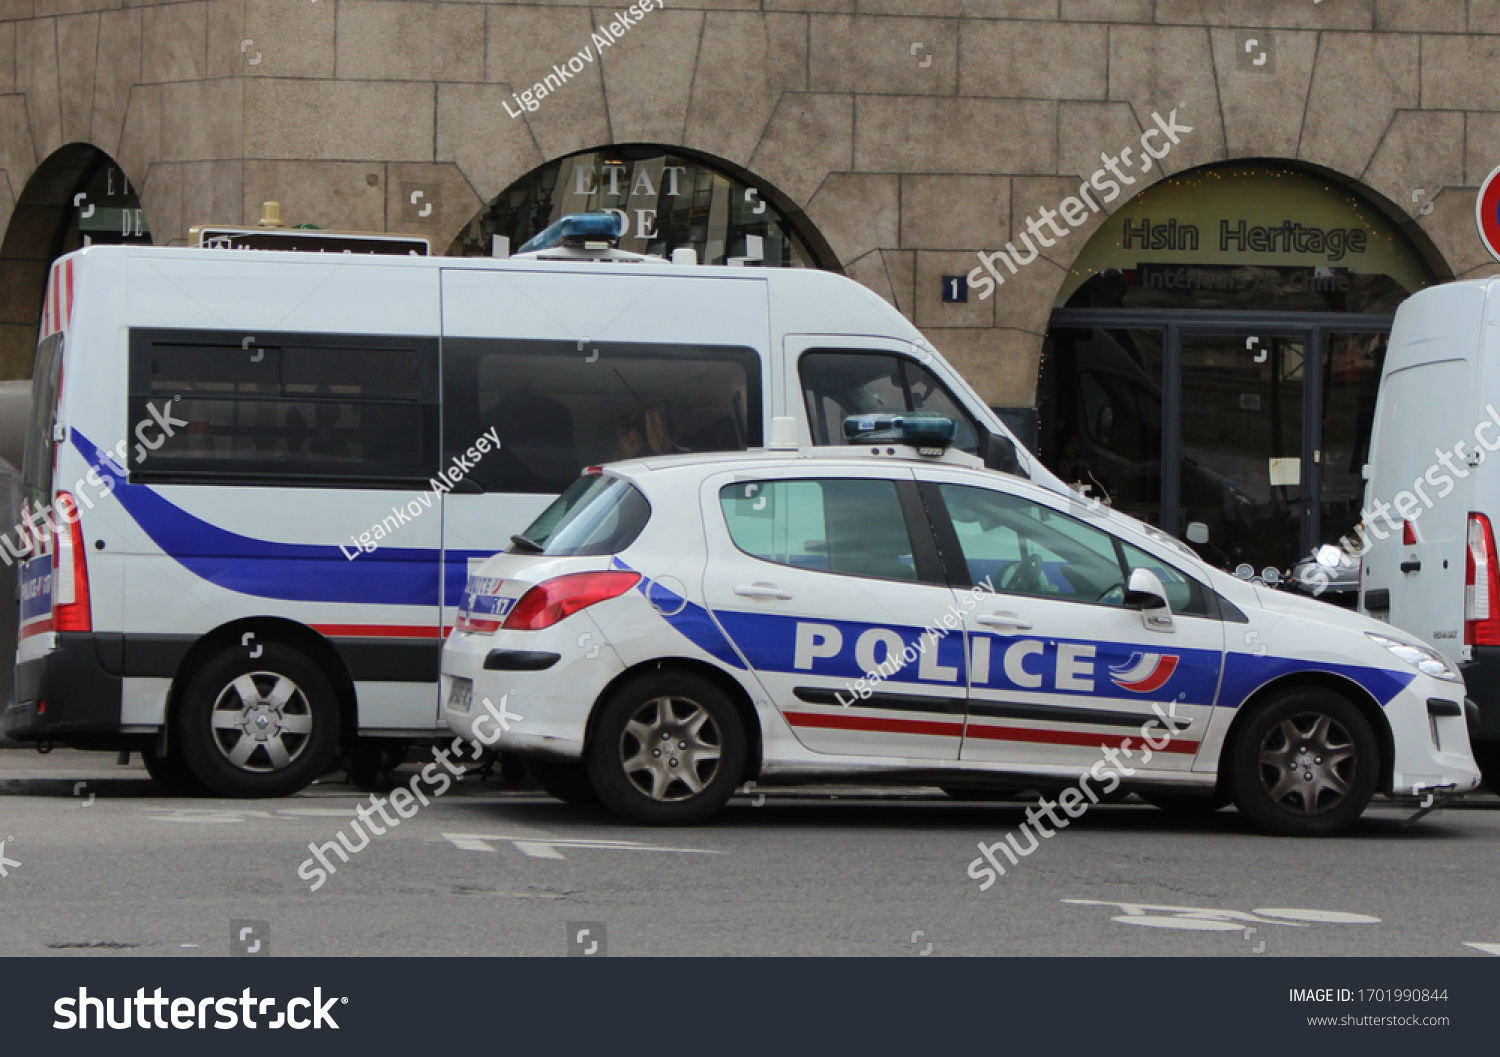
{"type": "Point", "coordinates": [70, 570]}
{"type": "Point", "coordinates": [561, 597]}
{"type": "Point", "coordinates": [1481, 586]}
{"type": "Point", "coordinates": [1408, 534]}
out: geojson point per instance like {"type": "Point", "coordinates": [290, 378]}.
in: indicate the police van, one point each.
{"type": "Point", "coordinates": [1432, 498]}
{"type": "Point", "coordinates": [255, 481]}
{"type": "Point", "coordinates": [672, 627]}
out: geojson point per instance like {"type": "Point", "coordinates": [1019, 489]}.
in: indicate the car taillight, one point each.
{"type": "Point", "coordinates": [552, 600]}
{"type": "Point", "coordinates": [70, 570]}
{"type": "Point", "coordinates": [1481, 586]}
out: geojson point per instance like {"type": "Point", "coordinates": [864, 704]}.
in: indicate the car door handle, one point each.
{"type": "Point", "coordinates": [1413, 566]}
{"type": "Point", "coordinates": [761, 590]}
{"type": "Point", "coordinates": [1004, 620]}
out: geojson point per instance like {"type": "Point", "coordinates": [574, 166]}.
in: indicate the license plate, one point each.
{"type": "Point", "coordinates": [461, 697]}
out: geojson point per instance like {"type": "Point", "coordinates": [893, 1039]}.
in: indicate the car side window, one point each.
{"type": "Point", "coordinates": [838, 384]}
{"type": "Point", "coordinates": [1020, 547]}
{"type": "Point", "coordinates": [1024, 548]}
{"type": "Point", "coordinates": [1184, 594]}
{"type": "Point", "coordinates": [852, 527]}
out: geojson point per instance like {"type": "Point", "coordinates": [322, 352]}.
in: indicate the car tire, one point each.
{"type": "Point", "coordinates": [1187, 805]}
{"type": "Point", "coordinates": [173, 775]}
{"type": "Point", "coordinates": [258, 726]}
{"type": "Point", "coordinates": [696, 769]}
{"type": "Point", "coordinates": [1305, 765]}
{"type": "Point", "coordinates": [1487, 755]}
{"type": "Point", "coordinates": [568, 782]}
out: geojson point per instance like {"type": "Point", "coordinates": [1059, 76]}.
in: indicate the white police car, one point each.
{"type": "Point", "coordinates": [672, 627]}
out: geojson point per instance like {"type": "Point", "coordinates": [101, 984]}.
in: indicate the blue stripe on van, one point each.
{"type": "Point", "coordinates": [293, 572]}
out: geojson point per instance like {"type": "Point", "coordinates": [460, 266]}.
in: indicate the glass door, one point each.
{"type": "Point", "coordinates": [1243, 475]}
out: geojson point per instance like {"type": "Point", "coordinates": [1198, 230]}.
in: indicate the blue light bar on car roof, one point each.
{"type": "Point", "coordinates": [921, 429]}
{"type": "Point", "coordinates": [575, 229]}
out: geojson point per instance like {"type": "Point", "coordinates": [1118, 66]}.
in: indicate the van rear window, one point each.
{"type": "Point", "coordinates": [36, 463]}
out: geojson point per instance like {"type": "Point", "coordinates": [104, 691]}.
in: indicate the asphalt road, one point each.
{"type": "Point", "coordinates": [112, 867]}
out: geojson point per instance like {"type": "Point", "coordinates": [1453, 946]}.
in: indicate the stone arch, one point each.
{"type": "Point", "coordinates": [79, 192]}
{"type": "Point", "coordinates": [780, 213]}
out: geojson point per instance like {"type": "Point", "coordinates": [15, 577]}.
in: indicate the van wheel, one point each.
{"type": "Point", "coordinates": [262, 726]}
{"type": "Point", "coordinates": [568, 782]}
{"type": "Point", "coordinates": [1487, 755]}
{"type": "Point", "coordinates": [669, 750]}
{"type": "Point", "coordinates": [1306, 765]}
{"type": "Point", "coordinates": [173, 775]}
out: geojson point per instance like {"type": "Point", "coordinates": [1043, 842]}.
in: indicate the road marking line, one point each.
{"type": "Point", "coordinates": [542, 847]}
{"type": "Point", "coordinates": [1488, 948]}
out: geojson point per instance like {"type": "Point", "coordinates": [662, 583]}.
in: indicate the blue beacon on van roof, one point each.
{"type": "Point", "coordinates": [578, 227]}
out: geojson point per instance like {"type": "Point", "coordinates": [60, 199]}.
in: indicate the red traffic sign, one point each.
{"type": "Point", "coordinates": [1487, 213]}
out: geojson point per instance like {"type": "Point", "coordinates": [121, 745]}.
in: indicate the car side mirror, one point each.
{"type": "Point", "coordinates": [1145, 592]}
{"type": "Point", "coordinates": [1000, 454]}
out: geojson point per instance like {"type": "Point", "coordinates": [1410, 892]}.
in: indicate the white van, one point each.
{"type": "Point", "coordinates": [256, 481]}
{"type": "Point", "coordinates": [1432, 497]}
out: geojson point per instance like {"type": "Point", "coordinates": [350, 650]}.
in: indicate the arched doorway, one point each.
{"type": "Point", "coordinates": [667, 197]}
{"type": "Point", "coordinates": [1216, 352]}
{"type": "Point", "coordinates": [79, 196]}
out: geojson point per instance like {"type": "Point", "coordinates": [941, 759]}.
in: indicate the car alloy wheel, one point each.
{"type": "Point", "coordinates": [1308, 764]}
{"type": "Point", "coordinates": [671, 748]}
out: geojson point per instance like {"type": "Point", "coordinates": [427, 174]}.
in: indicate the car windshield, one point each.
{"type": "Point", "coordinates": [597, 514]}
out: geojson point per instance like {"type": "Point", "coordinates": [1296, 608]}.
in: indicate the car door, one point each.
{"type": "Point", "coordinates": [1061, 669]}
{"type": "Point", "coordinates": [827, 583]}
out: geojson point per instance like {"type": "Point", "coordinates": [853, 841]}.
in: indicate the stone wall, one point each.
{"type": "Point", "coordinates": [907, 159]}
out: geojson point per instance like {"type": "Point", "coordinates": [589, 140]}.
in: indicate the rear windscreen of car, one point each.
{"type": "Point", "coordinates": [595, 515]}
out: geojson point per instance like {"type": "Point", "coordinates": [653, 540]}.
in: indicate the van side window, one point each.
{"type": "Point", "coordinates": [854, 527]}
{"type": "Point", "coordinates": [330, 408]}
{"type": "Point", "coordinates": [837, 384]}
{"type": "Point", "coordinates": [557, 408]}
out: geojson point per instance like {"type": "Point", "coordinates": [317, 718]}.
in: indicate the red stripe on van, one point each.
{"type": "Point", "coordinates": [383, 631]}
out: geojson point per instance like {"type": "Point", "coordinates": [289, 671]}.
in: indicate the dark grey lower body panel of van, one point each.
{"type": "Point", "coordinates": [81, 697]}
{"type": "Point", "coordinates": [1482, 678]}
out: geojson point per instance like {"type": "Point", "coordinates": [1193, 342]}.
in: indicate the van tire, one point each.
{"type": "Point", "coordinates": [1302, 732]}
{"type": "Point", "coordinates": [1487, 755]}
{"type": "Point", "coordinates": [568, 782]}
{"type": "Point", "coordinates": [280, 694]}
{"type": "Point", "coordinates": [172, 774]}
{"type": "Point", "coordinates": [702, 743]}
